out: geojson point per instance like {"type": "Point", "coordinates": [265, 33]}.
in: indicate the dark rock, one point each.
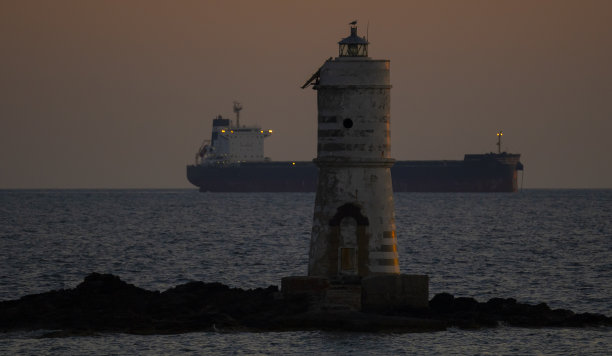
{"type": "Point", "coordinates": [586, 319]}
{"type": "Point", "coordinates": [465, 304]}
{"type": "Point", "coordinates": [105, 303]}
{"type": "Point", "coordinates": [469, 313]}
{"type": "Point", "coordinates": [443, 303]}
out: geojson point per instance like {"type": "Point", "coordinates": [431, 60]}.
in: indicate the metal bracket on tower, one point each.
{"type": "Point", "coordinates": [315, 76]}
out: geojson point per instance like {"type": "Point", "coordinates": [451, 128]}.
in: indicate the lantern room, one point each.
{"type": "Point", "coordinates": [353, 45]}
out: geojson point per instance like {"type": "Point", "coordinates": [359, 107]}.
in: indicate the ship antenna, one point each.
{"type": "Point", "coordinates": [499, 135]}
{"type": "Point", "coordinates": [237, 108]}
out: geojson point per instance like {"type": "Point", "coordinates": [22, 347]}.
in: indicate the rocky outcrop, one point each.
{"type": "Point", "coordinates": [468, 313]}
{"type": "Point", "coordinates": [104, 303]}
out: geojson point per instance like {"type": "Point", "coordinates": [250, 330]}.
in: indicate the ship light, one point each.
{"type": "Point", "coordinates": [261, 131]}
{"type": "Point", "coordinates": [232, 131]}
{"type": "Point", "coordinates": [293, 163]}
{"type": "Point", "coordinates": [270, 131]}
{"type": "Point", "coordinates": [222, 131]}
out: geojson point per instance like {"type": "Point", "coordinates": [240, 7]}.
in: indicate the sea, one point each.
{"type": "Point", "coordinates": [552, 246]}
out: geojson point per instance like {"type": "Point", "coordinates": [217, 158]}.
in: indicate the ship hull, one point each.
{"type": "Point", "coordinates": [476, 173]}
{"type": "Point", "coordinates": [255, 177]}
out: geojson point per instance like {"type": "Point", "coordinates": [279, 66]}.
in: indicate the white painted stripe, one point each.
{"type": "Point", "coordinates": [388, 241]}
{"type": "Point", "coordinates": [383, 255]}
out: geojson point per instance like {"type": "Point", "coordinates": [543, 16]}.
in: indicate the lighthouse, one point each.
{"type": "Point", "coordinates": [353, 230]}
{"type": "Point", "coordinates": [353, 256]}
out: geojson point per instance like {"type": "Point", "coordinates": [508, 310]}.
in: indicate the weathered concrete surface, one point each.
{"type": "Point", "coordinates": [353, 229]}
{"type": "Point", "coordinates": [343, 296]}
{"type": "Point", "coordinates": [385, 292]}
{"type": "Point", "coordinates": [323, 294]}
{"type": "Point", "coordinates": [104, 303]}
{"type": "Point", "coordinates": [375, 293]}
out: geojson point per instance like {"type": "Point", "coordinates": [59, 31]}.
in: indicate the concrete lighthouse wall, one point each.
{"type": "Point", "coordinates": [354, 223]}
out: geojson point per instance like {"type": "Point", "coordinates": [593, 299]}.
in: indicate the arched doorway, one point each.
{"type": "Point", "coordinates": [349, 237]}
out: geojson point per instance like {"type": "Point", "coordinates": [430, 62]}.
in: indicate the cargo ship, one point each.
{"type": "Point", "coordinates": [233, 161]}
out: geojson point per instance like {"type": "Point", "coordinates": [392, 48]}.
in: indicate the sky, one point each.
{"type": "Point", "coordinates": [120, 94]}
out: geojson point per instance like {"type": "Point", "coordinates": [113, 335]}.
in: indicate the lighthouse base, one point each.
{"type": "Point", "coordinates": [373, 293]}
{"type": "Point", "coordinates": [394, 291]}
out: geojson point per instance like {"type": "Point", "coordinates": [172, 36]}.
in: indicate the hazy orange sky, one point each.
{"type": "Point", "coordinates": [120, 94]}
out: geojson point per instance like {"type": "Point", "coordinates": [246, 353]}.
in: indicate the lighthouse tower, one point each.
{"type": "Point", "coordinates": [353, 258]}
{"type": "Point", "coordinates": [353, 229]}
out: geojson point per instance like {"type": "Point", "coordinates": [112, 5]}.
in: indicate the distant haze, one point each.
{"type": "Point", "coordinates": [120, 94]}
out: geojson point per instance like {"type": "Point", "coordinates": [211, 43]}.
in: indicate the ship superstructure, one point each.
{"type": "Point", "coordinates": [233, 160]}
{"type": "Point", "coordinates": [232, 143]}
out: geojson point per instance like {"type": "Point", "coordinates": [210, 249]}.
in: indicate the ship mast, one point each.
{"type": "Point", "coordinates": [237, 108]}
{"type": "Point", "coordinates": [499, 135]}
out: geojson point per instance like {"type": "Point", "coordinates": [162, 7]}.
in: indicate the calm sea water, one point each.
{"type": "Point", "coordinates": [552, 246]}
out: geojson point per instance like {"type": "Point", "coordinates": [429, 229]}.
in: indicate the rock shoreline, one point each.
{"type": "Point", "coordinates": [104, 303]}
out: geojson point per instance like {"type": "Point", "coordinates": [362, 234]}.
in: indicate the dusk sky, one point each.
{"type": "Point", "coordinates": [120, 94]}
